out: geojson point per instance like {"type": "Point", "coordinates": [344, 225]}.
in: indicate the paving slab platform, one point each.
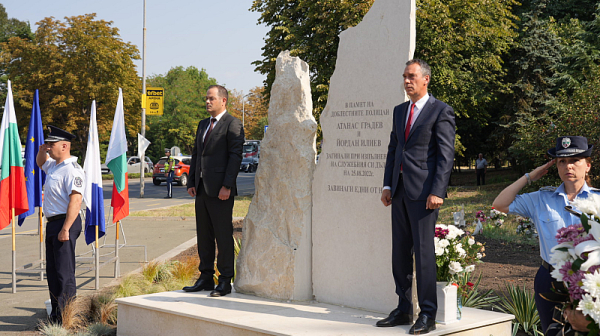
{"type": "Point", "coordinates": [181, 313]}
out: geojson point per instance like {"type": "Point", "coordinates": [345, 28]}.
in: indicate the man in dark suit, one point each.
{"type": "Point", "coordinates": [216, 159]}
{"type": "Point", "coordinates": [419, 162]}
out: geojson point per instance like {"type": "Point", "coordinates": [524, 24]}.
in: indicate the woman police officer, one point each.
{"type": "Point", "coordinates": [546, 207]}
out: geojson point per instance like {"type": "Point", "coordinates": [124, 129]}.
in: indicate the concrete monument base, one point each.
{"type": "Point", "coordinates": [180, 313]}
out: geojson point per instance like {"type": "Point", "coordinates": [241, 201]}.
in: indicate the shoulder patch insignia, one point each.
{"type": "Point", "coordinates": [548, 188]}
{"type": "Point", "coordinates": [78, 182]}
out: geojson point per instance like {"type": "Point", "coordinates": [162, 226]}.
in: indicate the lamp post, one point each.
{"type": "Point", "coordinates": [244, 108]}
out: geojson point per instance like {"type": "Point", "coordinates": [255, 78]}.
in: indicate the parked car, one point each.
{"type": "Point", "coordinates": [182, 170]}
{"type": "Point", "coordinates": [133, 165]}
{"type": "Point", "coordinates": [104, 169]}
{"type": "Point", "coordinates": [249, 164]}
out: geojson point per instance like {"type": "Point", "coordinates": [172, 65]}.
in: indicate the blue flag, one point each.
{"type": "Point", "coordinates": [34, 176]}
{"type": "Point", "coordinates": [93, 195]}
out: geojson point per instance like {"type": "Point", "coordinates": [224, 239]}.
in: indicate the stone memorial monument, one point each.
{"type": "Point", "coordinates": [275, 260]}
{"type": "Point", "coordinates": [351, 229]}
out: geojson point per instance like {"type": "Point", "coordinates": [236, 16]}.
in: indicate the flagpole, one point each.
{"type": "Point", "coordinates": [117, 261]}
{"type": "Point", "coordinates": [41, 229]}
{"type": "Point", "coordinates": [14, 254]}
{"type": "Point", "coordinates": [97, 261]}
{"type": "Point", "coordinates": [142, 155]}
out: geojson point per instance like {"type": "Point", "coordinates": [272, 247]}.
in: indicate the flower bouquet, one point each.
{"type": "Point", "coordinates": [577, 261]}
{"type": "Point", "coordinates": [526, 227]}
{"type": "Point", "coordinates": [455, 252]}
{"type": "Point", "coordinates": [455, 255]}
{"type": "Point", "coordinates": [497, 217]}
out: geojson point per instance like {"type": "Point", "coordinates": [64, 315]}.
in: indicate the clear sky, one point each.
{"type": "Point", "coordinates": [220, 36]}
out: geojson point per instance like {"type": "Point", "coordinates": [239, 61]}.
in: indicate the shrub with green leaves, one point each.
{"type": "Point", "coordinates": [520, 302]}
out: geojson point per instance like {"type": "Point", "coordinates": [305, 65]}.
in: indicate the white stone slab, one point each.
{"type": "Point", "coordinates": [351, 228]}
{"type": "Point", "coordinates": [275, 259]}
{"type": "Point", "coordinates": [180, 313]}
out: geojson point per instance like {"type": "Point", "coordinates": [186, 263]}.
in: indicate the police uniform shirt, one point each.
{"type": "Point", "coordinates": [546, 208]}
{"type": "Point", "coordinates": [61, 181]}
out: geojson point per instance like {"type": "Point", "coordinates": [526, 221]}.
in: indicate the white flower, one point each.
{"type": "Point", "coordinates": [589, 307]}
{"type": "Point", "coordinates": [479, 255]}
{"type": "Point", "coordinates": [443, 243]}
{"type": "Point", "coordinates": [461, 251]}
{"type": "Point", "coordinates": [560, 257]}
{"type": "Point", "coordinates": [591, 284]}
{"type": "Point", "coordinates": [471, 241]}
{"type": "Point", "coordinates": [455, 267]}
{"type": "Point", "coordinates": [588, 205]}
{"type": "Point", "coordinates": [454, 232]}
{"type": "Point", "coordinates": [470, 268]}
{"type": "Point", "coordinates": [556, 272]}
{"type": "Point", "coordinates": [439, 251]}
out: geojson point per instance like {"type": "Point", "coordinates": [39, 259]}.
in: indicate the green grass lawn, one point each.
{"type": "Point", "coordinates": [240, 209]}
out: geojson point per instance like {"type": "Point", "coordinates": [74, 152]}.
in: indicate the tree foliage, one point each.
{"type": "Point", "coordinates": [310, 30]}
{"type": "Point", "coordinates": [255, 111]}
{"type": "Point", "coordinates": [13, 27]}
{"type": "Point", "coordinates": [184, 107]}
{"type": "Point", "coordinates": [72, 63]}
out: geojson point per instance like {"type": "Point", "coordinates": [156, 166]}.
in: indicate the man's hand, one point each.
{"type": "Point", "coordinates": [192, 191]}
{"type": "Point", "coordinates": [577, 320]}
{"type": "Point", "coordinates": [63, 235]}
{"type": "Point", "coordinates": [386, 197]}
{"type": "Point", "coordinates": [224, 194]}
{"type": "Point", "coordinates": [434, 202]}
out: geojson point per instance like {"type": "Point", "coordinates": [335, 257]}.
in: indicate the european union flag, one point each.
{"type": "Point", "coordinates": [34, 176]}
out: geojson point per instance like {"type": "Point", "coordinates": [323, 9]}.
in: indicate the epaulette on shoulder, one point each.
{"type": "Point", "coordinates": [548, 188]}
{"type": "Point", "coordinates": [76, 165]}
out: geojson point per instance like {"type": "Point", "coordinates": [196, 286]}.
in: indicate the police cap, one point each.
{"type": "Point", "coordinates": [56, 134]}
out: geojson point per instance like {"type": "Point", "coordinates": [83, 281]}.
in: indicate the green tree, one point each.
{"type": "Point", "coordinates": [256, 110]}
{"type": "Point", "coordinates": [72, 63]}
{"type": "Point", "coordinates": [464, 42]}
{"type": "Point", "coordinates": [308, 29]}
{"type": "Point", "coordinates": [13, 27]}
{"type": "Point", "coordinates": [184, 107]}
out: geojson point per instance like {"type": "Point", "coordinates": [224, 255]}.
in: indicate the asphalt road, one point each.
{"type": "Point", "coordinates": [154, 197]}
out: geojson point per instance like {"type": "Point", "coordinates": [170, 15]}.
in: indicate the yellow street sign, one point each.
{"type": "Point", "coordinates": [154, 101]}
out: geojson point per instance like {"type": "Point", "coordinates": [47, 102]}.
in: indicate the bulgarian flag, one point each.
{"type": "Point", "coordinates": [13, 192]}
{"type": "Point", "coordinates": [116, 160]}
{"type": "Point", "coordinates": [93, 196]}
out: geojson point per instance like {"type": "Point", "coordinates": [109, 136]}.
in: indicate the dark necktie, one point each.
{"type": "Point", "coordinates": [212, 124]}
{"type": "Point", "coordinates": [409, 122]}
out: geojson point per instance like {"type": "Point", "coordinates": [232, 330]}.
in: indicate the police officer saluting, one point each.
{"type": "Point", "coordinates": [62, 202]}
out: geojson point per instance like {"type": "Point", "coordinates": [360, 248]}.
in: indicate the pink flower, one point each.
{"type": "Point", "coordinates": [570, 233]}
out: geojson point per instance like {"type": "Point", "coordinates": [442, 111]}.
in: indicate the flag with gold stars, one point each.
{"type": "Point", "coordinates": [34, 176]}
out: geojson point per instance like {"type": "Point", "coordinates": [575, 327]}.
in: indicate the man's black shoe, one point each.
{"type": "Point", "coordinates": [222, 289]}
{"type": "Point", "coordinates": [168, 196]}
{"type": "Point", "coordinates": [395, 318]}
{"type": "Point", "coordinates": [201, 284]}
{"type": "Point", "coordinates": [423, 325]}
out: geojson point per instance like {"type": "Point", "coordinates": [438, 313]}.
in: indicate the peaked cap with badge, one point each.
{"type": "Point", "coordinates": [571, 146]}
{"type": "Point", "coordinates": [56, 134]}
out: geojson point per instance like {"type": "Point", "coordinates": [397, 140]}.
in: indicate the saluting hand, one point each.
{"type": "Point", "coordinates": [540, 171]}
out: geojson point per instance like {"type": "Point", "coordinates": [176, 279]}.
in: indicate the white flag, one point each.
{"type": "Point", "coordinates": [143, 144]}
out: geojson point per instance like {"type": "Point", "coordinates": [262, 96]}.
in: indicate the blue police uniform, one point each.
{"type": "Point", "coordinates": [62, 180]}
{"type": "Point", "coordinates": [546, 208]}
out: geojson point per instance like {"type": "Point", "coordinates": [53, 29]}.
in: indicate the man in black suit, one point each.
{"type": "Point", "coordinates": [419, 163]}
{"type": "Point", "coordinates": [216, 159]}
